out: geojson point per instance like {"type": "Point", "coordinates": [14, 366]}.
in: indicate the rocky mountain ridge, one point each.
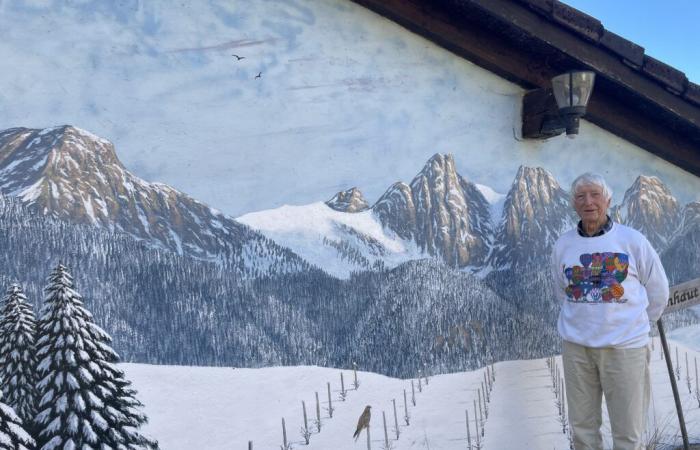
{"type": "Point", "coordinates": [74, 175]}
{"type": "Point", "coordinates": [71, 174]}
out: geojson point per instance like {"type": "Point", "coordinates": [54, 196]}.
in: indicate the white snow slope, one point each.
{"type": "Point", "coordinates": [224, 408]}
{"type": "Point", "coordinates": [304, 228]}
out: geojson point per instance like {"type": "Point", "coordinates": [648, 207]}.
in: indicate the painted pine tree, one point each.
{"type": "Point", "coordinates": [17, 360]}
{"type": "Point", "coordinates": [85, 401]}
{"type": "Point", "coordinates": [13, 436]}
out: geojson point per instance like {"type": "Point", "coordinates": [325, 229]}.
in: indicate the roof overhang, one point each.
{"type": "Point", "coordinates": [528, 42]}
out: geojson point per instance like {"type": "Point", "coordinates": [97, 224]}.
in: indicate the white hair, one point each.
{"type": "Point", "coordinates": [590, 178]}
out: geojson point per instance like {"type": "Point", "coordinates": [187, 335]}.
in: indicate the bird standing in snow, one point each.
{"type": "Point", "coordinates": [363, 422]}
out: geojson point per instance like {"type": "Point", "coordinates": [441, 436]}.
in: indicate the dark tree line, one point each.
{"type": "Point", "coordinates": [162, 308]}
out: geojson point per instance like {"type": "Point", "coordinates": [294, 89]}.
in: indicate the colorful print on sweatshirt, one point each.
{"type": "Point", "coordinates": [598, 279]}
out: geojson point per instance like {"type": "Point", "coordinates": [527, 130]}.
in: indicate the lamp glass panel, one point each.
{"type": "Point", "coordinates": [573, 88]}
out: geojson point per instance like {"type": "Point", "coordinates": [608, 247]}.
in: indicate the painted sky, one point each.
{"type": "Point", "coordinates": [344, 98]}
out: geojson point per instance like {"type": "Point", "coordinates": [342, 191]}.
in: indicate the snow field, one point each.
{"type": "Point", "coordinates": [223, 408]}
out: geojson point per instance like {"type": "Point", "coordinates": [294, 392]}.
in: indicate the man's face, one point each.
{"type": "Point", "coordinates": [590, 204]}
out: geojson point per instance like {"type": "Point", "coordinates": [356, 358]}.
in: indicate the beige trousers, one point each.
{"type": "Point", "coordinates": [622, 375]}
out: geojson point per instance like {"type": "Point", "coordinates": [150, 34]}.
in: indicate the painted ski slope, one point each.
{"type": "Point", "coordinates": [224, 408]}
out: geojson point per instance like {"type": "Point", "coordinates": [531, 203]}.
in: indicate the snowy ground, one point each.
{"type": "Point", "coordinates": [224, 408]}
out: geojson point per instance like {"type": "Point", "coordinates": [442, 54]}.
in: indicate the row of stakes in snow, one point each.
{"type": "Point", "coordinates": [387, 444]}
{"type": "Point", "coordinates": [560, 398]}
{"type": "Point", "coordinates": [482, 413]}
{"type": "Point", "coordinates": [677, 372]}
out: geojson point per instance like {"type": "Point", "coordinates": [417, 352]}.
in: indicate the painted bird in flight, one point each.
{"type": "Point", "coordinates": [258, 75]}
{"type": "Point", "coordinates": [238, 58]}
{"type": "Point", "coordinates": [363, 422]}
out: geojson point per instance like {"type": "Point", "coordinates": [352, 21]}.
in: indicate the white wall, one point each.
{"type": "Point", "coordinates": [346, 98]}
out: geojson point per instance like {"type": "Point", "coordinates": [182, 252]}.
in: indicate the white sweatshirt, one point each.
{"type": "Point", "coordinates": [610, 287]}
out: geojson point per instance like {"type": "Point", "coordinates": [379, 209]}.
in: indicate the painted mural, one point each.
{"type": "Point", "coordinates": [300, 182]}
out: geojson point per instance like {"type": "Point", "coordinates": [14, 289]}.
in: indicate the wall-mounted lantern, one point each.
{"type": "Point", "coordinates": [550, 112]}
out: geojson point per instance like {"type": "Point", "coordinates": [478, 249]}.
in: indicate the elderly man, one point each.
{"type": "Point", "coordinates": [611, 284]}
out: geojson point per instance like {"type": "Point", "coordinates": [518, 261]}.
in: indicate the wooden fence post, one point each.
{"type": "Point", "coordinates": [306, 424]}
{"type": "Point", "coordinates": [386, 435]}
{"type": "Point", "coordinates": [396, 420]}
{"type": "Point", "coordinates": [284, 435]}
{"type": "Point", "coordinates": [318, 413]}
{"type": "Point", "coordinates": [469, 437]}
{"type": "Point", "coordinates": [330, 402]}
{"type": "Point", "coordinates": [369, 444]}
{"type": "Point", "coordinates": [413, 393]}
{"type": "Point", "coordinates": [405, 407]}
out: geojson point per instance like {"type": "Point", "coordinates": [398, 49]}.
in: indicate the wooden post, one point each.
{"type": "Point", "coordinates": [405, 407]}
{"type": "Point", "coordinates": [284, 435]}
{"type": "Point", "coordinates": [476, 426]}
{"type": "Point", "coordinates": [469, 437]}
{"type": "Point", "coordinates": [306, 424]}
{"type": "Point", "coordinates": [420, 385]}
{"type": "Point", "coordinates": [318, 413]}
{"type": "Point", "coordinates": [354, 370]}
{"type": "Point", "coordinates": [396, 420]}
{"type": "Point", "coordinates": [562, 395]}
{"type": "Point", "coordinates": [563, 409]}
{"type": "Point", "coordinates": [674, 387]}
{"type": "Point", "coordinates": [342, 386]}
{"type": "Point", "coordinates": [481, 418]}
{"type": "Point", "coordinates": [413, 393]}
{"type": "Point", "coordinates": [250, 445]}
{"type": "Point", "coordinates": [687, 374]}
{"type": "Point", "coordinates": [330, 403]}
{"type": "Point", "coordinates": [386, 434]}
{"type": "Point", "coordinates": [369, 444]}
{"type": "Point", "coordinates": [697, 389]}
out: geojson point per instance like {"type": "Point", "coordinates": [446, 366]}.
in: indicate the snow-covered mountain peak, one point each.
{"type": "Point", "coordinates": [350, 201]}
{"type": "Point", "coordinates": [649, 207]}
{"type": "Point", "coordinates": [338, 242]}
{"type": "Point", "coordinates": [535, 212]}
{"type": "Point", "coordinates": [72, 174]}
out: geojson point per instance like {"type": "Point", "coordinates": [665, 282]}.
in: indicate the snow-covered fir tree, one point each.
{"type": "Point", "coordinates": [13, 436]}
{"type": "Point", "coordinates": [17, 353]}
{"type": "Point", "coordinates": [85, 402]}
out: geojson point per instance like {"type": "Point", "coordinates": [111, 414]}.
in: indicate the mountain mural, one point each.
{"type": "Point", "coordinates": [350, 201]}
{"type": "Point", "coordinates": [436, 266]}
{"type": "Point", "coordinates": [71, 174]}
{"type": "Point", "coordinates": [649, 206]}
